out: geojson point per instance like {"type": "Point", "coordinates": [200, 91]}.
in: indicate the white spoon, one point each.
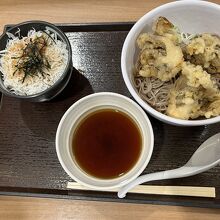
{"type": "Point", "coordinates": [206, 157]}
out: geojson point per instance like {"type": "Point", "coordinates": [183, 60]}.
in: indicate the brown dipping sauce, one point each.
{"type": "Point", "coordinates": [107, 144]}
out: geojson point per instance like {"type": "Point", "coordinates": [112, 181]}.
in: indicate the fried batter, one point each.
{"type": "Point", "coordinates": [192, 96]}
{"type": "Point", "coordinates": [213, 109]}
{"type": "Point", "coordinates": [164, 27]}
{"type": "Point", "coordinates": [196, 76]}
{"type": "Point", "coordinates": [159, 58]}
{"type": "Point", "coordinates": [184, 100]}
{"type": "Point", "coordinates": [204, 50]}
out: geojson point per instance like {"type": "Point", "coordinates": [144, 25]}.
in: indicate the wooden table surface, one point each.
{"type": "Point", "coordinates": [84, 11]}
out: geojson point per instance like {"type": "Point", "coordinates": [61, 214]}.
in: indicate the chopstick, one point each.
{"type": "Point", "coordinates": [196, 191]}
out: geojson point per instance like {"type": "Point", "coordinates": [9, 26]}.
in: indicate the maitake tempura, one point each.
{"type": "Point", "coordinates": [179, 74]}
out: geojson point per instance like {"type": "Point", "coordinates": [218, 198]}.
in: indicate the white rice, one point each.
{"type": "Point", "coordinates": [55, 52]}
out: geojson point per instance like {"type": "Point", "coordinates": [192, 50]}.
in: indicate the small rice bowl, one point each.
{"type": "Point", "coordinates": [19, 74]}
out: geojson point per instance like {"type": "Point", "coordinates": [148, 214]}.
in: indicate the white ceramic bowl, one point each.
{"type": "Point", "coordinates": [84, 107]}
{"type": "Point", "coordinates": [191, 17]}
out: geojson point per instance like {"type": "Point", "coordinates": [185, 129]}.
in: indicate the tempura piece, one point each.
{"type": "Point", "coordinates": [196, 46]}
{"type": "Point", "coordinates": [191, 98]}
{"type": "Point", "coordinates": [184, 100]}
{"type": "Point", "coordinates": [196, 76]}
{"type": "Point", "coordinates": [216, 79]}
{"type": "Point", "coordinates": [213, 109]}
{"type": "Point", "coordinates": [164, 27]}
{"type": "Point", "coordinates": [159, 57]}
{"type": "Point", "coordinates": [204, 50]}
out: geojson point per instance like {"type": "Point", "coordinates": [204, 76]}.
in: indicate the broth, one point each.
{"type": "Point", "coordinates": [107, 143]}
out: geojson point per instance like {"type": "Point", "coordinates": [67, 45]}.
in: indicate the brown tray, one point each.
{"type": "Point", "coordinates": [28, 160]}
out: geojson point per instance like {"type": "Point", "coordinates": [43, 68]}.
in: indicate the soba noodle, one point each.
{"type": "Point", "coordinates": [154, 91]}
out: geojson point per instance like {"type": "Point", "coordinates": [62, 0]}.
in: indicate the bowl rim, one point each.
{"type": "Point", "coordinates": [146, 106]}
{"type": "Point", "coordinates": [118, 184]}
{"type": "Point", "coordinates": [66, 70]}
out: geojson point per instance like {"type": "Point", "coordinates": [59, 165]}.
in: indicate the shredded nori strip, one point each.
{"type": "Point", "coordinates": [33, 62]}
